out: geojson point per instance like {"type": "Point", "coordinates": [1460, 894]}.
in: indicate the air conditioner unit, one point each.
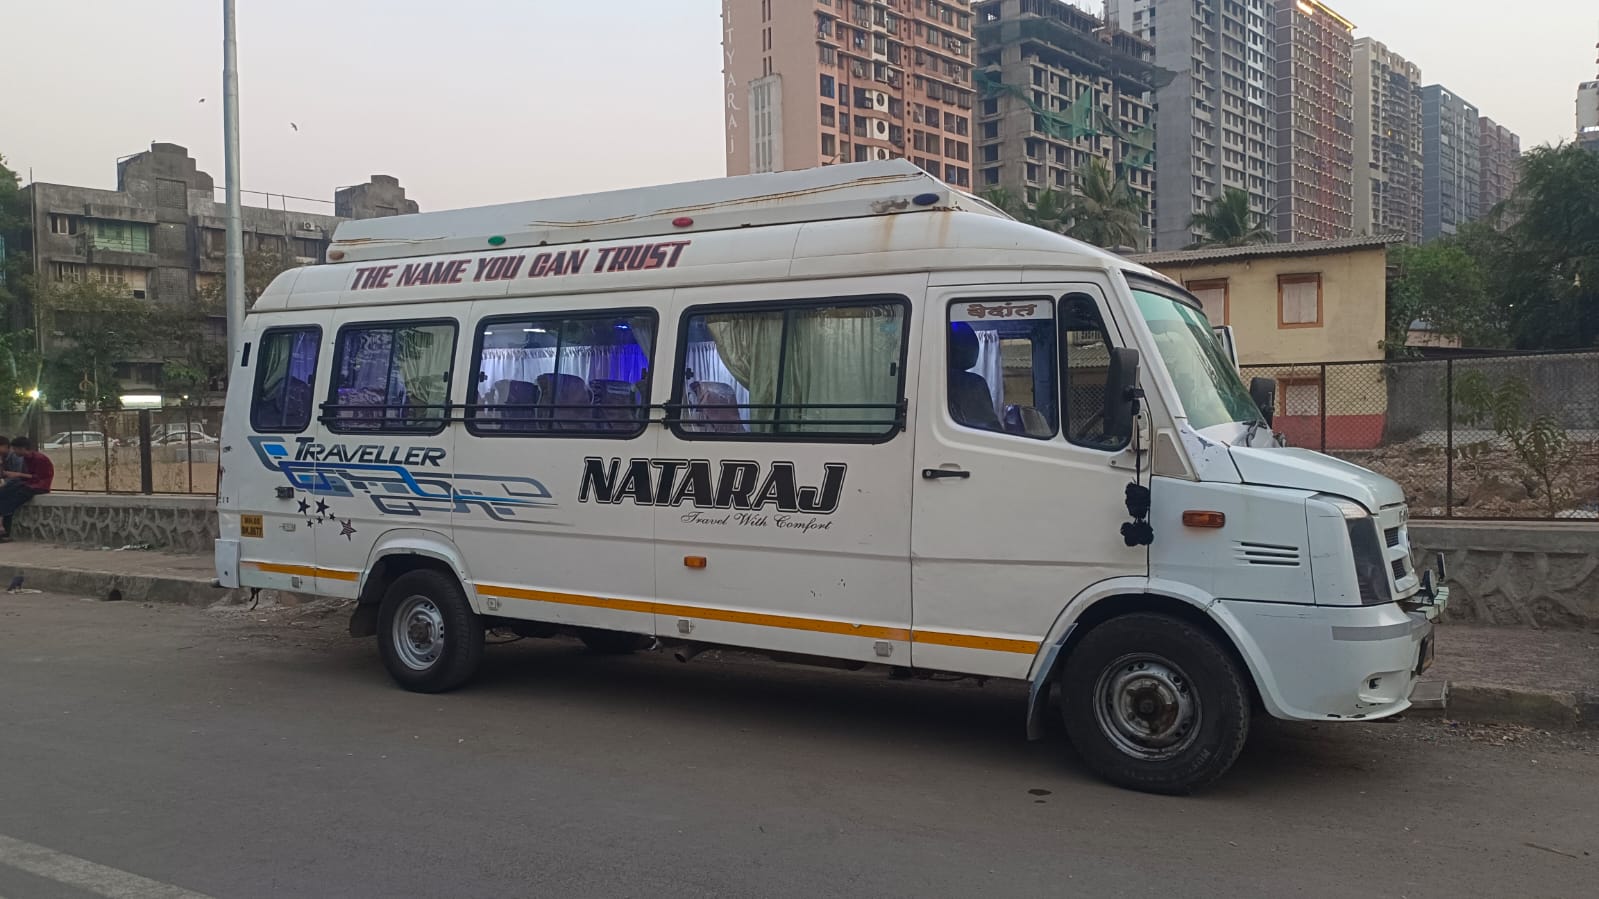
{"type": "Point", "coordinates": [880, 153]}
{"type": "Point", "coordinates": [880, 99]}
{"type": "Point", "coordinates": [882, 127]}
{"type": "Point", "coordinates": [859, 69]}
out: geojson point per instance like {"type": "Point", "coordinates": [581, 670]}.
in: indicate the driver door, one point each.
{"type": "Point", "coordinates": [1019, 494]}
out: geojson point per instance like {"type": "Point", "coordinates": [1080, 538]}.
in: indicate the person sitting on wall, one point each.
{"type": "Point", "coordinates": [10, 461]}
{"type": "Point", "coordinates": [22, 486]}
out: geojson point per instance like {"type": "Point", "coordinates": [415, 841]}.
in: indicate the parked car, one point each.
{"type": "Point", "coordinates": [73, 441]}
{"type": "Point", "coordinates": [180, 438]}
{"type": "Point", "coordinates": [167, 435]}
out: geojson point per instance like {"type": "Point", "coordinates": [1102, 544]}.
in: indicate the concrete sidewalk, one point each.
{"type": "Point", "coordinates": [1520, 675]}
{"type": "Point", "coordinates": [136, 575]}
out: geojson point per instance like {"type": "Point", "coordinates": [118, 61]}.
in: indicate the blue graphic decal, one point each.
{"type": "Point", "coordinates": [400, 489]}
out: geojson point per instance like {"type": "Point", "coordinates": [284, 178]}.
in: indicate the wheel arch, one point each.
{"type": "Point", "coordinates": [399, 552]}
{"type": "Point", "coordinates": [1122, 596]}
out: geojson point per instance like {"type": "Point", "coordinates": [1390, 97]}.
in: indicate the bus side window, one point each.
{"type": "Point", "coordinates": [285, 373]}
{"type": "Point", "coordinates": [565, 374]}
{"type": "Point", "coordinates": [392, 376]}
{"type": "Point", "coordinates": [1001, 366]}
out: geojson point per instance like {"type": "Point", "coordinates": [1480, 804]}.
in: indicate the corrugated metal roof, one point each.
{"type": "Point", "coordinates": [1257, 251]}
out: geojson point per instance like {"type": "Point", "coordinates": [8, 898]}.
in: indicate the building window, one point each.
{"type": "Point", "coordinates": [67, 271]}
{"type": "Point", "coordinates": [1001, 371]}
{"type": "Point", "coordinates": [285, 372]}
{"type": "Point", "coordinates": [564, 374]}
{"type": "Point", "coordinates": [392, 377]}
{"type": "Point", "coordinates": [1299, 301]}
{"type": "Point", "coordinates": [307, 248]}
{"type": "Point", "coordinates": [813, 371]}
{"type": "Point", "coordinates": [829, 116]}
{"type": "Point", "coordinates": [862, 153]}
{"type": "Point", "coordinates": [125, 237]}
{"type": "Point", "coordinates": [1212, 296]}
{"type": "Point", "coordinates": [829, 148]}
{"type": "Point", "coordinates": [828, 86]}
{"type": "Point", "coordinates": [63, 224]}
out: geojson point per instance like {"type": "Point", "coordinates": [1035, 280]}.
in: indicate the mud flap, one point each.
{"type": "Point", "coordinates": [1038, 692]}
{"type": "Point", "coordinates": [364, 620]}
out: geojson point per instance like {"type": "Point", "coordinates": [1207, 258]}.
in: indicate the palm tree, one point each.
{"type": "Point", "coordinates": [1230, 222]}
{"type": "Point", "coordinates": [1047, 211]}
{"type": "Point", "coordinates": [1105, 212]}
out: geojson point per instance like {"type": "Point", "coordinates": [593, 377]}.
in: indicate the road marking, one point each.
{"type": "Point", "coordinates": [86, 875]}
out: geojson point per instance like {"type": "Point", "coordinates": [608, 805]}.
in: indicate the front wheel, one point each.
{"type": "Point", "coordinates": [428, 636]}
{"type": "Point", "coordinates": [1154, 703]}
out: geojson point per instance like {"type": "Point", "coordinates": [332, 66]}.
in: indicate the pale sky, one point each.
{"type": "Point", "coordinates": [470, 102]}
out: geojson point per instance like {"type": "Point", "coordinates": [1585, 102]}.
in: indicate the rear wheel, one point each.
{"type": "Point", "coordinates": [1154, 703]}
{"type": "Point", "coordinates": [613, 642]}
{"type": "Point", "coordinates": [429, 638]}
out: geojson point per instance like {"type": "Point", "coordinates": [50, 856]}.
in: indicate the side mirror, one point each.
{"type": "Point", "coordinates": [1264, 392]}
{"type": "Point", "coordinates": [1121, 393]}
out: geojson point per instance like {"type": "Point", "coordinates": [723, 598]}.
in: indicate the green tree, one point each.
{"type": "Point", "coordinates": [95, 326]}
{"type": "Point", "coordinates": [1104, 211]}
{"type": "Point", "coordinates": [17, 359]}
{"type": "Point", "coordinates": [1442, 284]}
{"type": "Point", "coordinates": [1550, 268]}
{"type": "Point", "coordinates": [1230, 222]}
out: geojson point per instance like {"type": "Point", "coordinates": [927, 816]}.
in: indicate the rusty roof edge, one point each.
{"type": "Point", "coordinates": [1259, 251]}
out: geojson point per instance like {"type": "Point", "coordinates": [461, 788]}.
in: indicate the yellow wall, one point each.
{"type": "Point", "coordinates": [1353, 287]}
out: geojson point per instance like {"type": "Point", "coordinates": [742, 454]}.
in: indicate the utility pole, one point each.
{"type": "Point", "coordinates": [230, 139]}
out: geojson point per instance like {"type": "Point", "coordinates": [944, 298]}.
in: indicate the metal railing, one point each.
{"type": "Point", "coordinates": [111, 452]}
{"type": "Point", "coordinates": [1507, 437]}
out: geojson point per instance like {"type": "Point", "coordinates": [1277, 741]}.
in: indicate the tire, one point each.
{"type": "Point", "coordinates": [613, 643]}
{"type": "Point", "coordinates": [429, 638]}
{"type": "Point", "coordinates": [1155, 704]}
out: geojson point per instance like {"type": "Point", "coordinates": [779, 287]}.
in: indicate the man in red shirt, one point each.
{"type": "Point", "coordinates": [22, 486]}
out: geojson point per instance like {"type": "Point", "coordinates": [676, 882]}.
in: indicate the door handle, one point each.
{"type": "Point", "coordinates": [933, 474]}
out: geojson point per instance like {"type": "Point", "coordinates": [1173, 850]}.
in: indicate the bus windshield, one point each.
{"type": "Point", "coordinates": [1208, 386]}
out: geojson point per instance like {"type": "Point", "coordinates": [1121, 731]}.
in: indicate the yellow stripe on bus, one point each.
{"type": "Point", "coordinates": [766, 619]}
{"type": "Point", "coordinates": [731, 616]}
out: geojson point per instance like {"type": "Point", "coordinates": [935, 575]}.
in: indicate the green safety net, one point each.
{"type": "Point", "coordinates": [1081, 120]}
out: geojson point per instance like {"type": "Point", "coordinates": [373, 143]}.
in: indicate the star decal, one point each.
{"type": "Point", "coordinates": [305, 507]}
{"type": "Point", "coordinates": [321, 507]}
{"type": "Point", "coordinates": [348, 531]}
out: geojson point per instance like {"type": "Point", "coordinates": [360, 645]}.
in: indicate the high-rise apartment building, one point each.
{"type": "Point", "coordinates": [1588, 115]}
{"type": "Point", "coordinates": [1451, 167]}
{"type": "Point", "coordinates": [817, 82]}
{"type": "Point", "coordinates": [1060, 89]}
{"type": "Point", "coordinates": [1214, 120]}
{"type": "Point", "coordinates": [1388, 157]}
{"type": "Point", "coordinates": [1498, 164]}
{"type": "Point", "coordinates": [1315, 106]}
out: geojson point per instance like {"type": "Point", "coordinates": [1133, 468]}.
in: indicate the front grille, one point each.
{"type": "Point", "coordinates": [1399, 569]}
{"type": "Point", "coordinates": [1391, 537]}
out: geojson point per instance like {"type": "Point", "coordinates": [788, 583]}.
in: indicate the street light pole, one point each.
{"type": "Point", "coordinates": [230, 138]}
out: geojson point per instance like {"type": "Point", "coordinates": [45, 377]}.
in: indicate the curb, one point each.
{"type": "Point", "coordinates": [1522, 705]}
{"type": "Point", "coordinates": [186, 591]}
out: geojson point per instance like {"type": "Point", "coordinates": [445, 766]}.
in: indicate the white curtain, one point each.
{"type": "Point", "coordinates": [991, 365]}
{"type": "Point", "coordinates": [702, 359]}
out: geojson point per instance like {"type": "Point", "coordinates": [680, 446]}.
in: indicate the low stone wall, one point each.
{"type": "Point", "coordinates": [1538, 574]}
{"type": "Point", "coordinates": [172, 523]}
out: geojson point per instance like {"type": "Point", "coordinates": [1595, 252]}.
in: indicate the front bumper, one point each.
{"type": "Point", "coordinates": [1330, 663]}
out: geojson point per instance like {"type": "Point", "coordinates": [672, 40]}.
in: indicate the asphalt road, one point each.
{"type": "Point", "coordinates": [173, 753]}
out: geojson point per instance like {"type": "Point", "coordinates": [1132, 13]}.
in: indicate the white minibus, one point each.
{"type": "Point", "coordinates": [847, 415]}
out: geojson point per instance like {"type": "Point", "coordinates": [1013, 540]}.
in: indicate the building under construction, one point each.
{"type": "Point", "coordinates": [1060, 88]}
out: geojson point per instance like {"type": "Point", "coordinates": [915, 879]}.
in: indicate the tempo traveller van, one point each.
{"type": "Point", "coordinates": [848, 415]}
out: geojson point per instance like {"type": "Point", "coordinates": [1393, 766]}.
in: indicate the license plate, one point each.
{"type": "Point", "coordinates": [1424, 658]}
{"type": "Point", "coordinates": [251, 526]}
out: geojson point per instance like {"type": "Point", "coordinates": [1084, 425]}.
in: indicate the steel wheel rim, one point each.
{"type": "Point", "coordinates": [1147, 706]}
{"type": "Point", "coordinates": [418, 633]}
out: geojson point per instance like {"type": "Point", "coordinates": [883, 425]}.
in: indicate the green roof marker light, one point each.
{"type": "Point", "coordinates": [496, 240]}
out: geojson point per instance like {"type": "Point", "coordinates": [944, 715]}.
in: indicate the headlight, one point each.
{"type": "Point", "coordinates": [1371, 566]}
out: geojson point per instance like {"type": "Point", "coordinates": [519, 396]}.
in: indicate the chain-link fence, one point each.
{"type": "Point", "coordinates": [1500, 437]}
{"type": "Point", "coordinates": [107, 452]}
